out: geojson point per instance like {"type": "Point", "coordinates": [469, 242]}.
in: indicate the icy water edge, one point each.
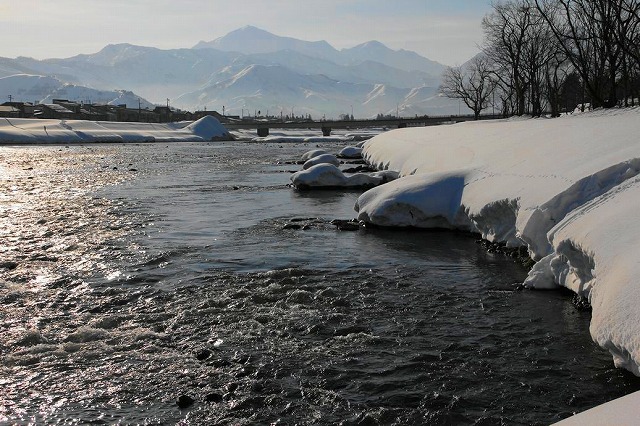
{"type": "Point", "coordinates": [136, 276]}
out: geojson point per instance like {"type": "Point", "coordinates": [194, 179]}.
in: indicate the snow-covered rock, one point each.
{"type": "Point", "coordinates": [319, 175]}
{"type": "Point", "coordinates": [313, 153]}
{"type": "Point", "coordinates": [321, 159]}
{"type": "Point", "coordinates": [329, 176]}
{"type": "Point", "coordinates": [566, 188]}
{"type": "Point", "coordinates": [350, 152]}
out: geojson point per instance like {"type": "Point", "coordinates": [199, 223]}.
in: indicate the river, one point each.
{"type": "Point", "coordinates": [189, 284]}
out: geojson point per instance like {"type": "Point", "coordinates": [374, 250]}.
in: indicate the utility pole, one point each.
{"type": "Point", "coordinates": [139, 110]}
{"type": "Point", "coordinates": [223, 110]}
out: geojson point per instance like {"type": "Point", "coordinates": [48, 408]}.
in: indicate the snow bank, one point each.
{"type": "Point", "coordinates": [17, 130]}
{"type": "Point", "coordinates": [566, 188]}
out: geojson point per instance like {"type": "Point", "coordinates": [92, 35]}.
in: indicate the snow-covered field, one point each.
{"type": "Point", "coordinates": [22, 130]}
{"type": "Point", "coordinates": [566, 188]}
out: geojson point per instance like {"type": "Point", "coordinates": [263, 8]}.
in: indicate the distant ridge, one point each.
{"type": "Point", "coordinates": [252, 40]}
{"type": "Point", "coordinates": [248, 69]}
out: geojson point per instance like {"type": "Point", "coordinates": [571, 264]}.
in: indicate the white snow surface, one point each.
{"type": "Point", "coordinates": [22, 130]}
{"type": "Point", "coordinates": [567, 188]}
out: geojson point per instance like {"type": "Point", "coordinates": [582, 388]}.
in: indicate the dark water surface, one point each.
{"type": "Point", "coordinates": [132, 275]}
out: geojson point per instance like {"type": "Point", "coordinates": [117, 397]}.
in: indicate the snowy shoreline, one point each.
{"type": "Point", "coordinates": [565, 188]}
{"type": "Point", "coordinates": [20, 131]}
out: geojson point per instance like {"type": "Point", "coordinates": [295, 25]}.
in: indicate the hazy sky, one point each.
{"type": "Point", "coordinates": [447, 31]}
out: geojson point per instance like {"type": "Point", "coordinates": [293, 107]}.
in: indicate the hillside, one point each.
{"type": "Point", "coordinates": [41, 89]}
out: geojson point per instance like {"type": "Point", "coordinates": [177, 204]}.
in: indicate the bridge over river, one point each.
{"type": "Point", "coordinates": [262, 126]}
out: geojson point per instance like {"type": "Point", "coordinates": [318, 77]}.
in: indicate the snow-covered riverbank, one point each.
{"type": "Point", "coordinates": [22, 130]}
{"type": "Point", "coordinates": [566, 188]}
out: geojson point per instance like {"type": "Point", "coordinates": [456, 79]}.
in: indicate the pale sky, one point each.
{"type": "Point", "coordinates": [447, 31]}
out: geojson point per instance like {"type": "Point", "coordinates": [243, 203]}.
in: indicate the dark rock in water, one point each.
{"type": "Point", "coordinates": [304, 223]}
{"type": "Point", "coordinates": [240, 358]}
{"type": "Point", "coordinates": [213, 397]}
{"type": "Point", "coordinates": [203, 354]}
{"type": "Point", "coordinates": [581, 303]}
{"type": "Point", "coordinates": [303, 219]}
{"type": "Point", "coordinates": [8, 265]}
{"type": "Point", "coordinates": [520, 254]}
{"type": "Point", "coordinates": [346, 225]}
{"type": "Point", "coordinates": [359, 169]}
{"type": "Point", "coordinates": [292, 226]}
{"type": "Point", "coordinates": [219, 363]}
{"type": "Point", "coordinates": [185, 401]}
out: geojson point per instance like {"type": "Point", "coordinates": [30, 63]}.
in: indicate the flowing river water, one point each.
{"type": "Point", "coordinates": [188, 284]}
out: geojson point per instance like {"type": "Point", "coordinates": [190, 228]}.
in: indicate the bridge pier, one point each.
{"type": "Point", "coordinates": [263, 132]}
{"type": "Point", "coordinates": [326, 131]}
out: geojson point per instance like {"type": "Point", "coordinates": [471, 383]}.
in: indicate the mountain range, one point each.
{"type": "Point", "coordinates": [246, 71]}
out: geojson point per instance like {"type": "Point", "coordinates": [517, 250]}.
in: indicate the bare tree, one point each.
{"type": "Point", "coordinates": [506, 31]}
{"type": "Point", "coordinates": [586, 31]}
{"type": "Point", "coordinates": [627, 35]}
{"type": "Point", "coordinates": [473, 85]}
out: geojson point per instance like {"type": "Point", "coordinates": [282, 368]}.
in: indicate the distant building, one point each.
{"type": "Point", "coordinates": [26, 109]}
{"type": "Point", "coordinates": [54, 111]}
{"type": "Point", "coordinates": [221, 118]}
{"type": "Point", "coordinates": [8, 111]}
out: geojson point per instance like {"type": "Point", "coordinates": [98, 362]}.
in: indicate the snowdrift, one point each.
{"type": "Point", "coordinates": [17, 130]}
{"type": "Point", "coordinates": [566, 188]}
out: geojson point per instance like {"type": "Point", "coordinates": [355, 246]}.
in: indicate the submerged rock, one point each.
{"type": "Point", "coordinates": [213, 397]}
{"type": "Point", "coordinates": [203, 355]}
{"type": "Point", "coordinates": [185, 401]}
{"type": "Point", "coordinates": [346, 225]}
